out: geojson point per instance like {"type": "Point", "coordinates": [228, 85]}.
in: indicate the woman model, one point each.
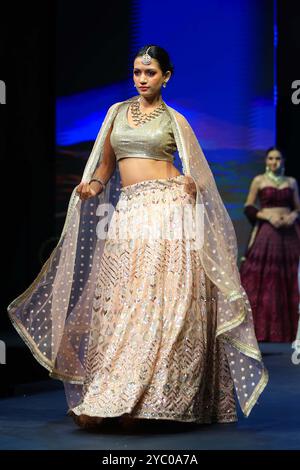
{"type": "Point", "coordinates": [135, 323]}
{"type": "Point", "coordinates": [269, 272]}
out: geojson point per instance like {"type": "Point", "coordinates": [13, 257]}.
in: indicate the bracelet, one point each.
{"type": "Point", "coordinates": [98, 180]}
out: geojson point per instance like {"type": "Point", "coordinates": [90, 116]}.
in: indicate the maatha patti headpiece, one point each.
{"type": "Point", "coordinates": [146, 58]}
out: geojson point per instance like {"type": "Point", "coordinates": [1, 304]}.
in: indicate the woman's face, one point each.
{"type": "Point", "coordinates": [274, 160]}
{"type": "Point", "coordinates": [149, 76]}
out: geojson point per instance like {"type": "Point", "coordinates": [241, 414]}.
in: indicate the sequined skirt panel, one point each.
{"type": "Point", "coordinates": [152, 350]}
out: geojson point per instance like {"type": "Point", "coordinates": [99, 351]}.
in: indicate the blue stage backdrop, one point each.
{"type": "Point", "coordinates": [224, 84]}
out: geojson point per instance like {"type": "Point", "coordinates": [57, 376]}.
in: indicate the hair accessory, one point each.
{"type": "Point", "coordinates": [146, 58]}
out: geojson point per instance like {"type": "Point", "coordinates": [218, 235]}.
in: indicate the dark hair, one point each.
{"type": "Point", "coordinates": [160, 54]}
{"type": "Point", "coordinates": [274, 147]}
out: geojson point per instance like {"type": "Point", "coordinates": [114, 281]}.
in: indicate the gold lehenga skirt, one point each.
{"type": "Point", "coordinates": [152, 349]}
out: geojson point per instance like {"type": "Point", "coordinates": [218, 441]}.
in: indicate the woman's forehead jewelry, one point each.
{"type": "Point", "coordinates": [146, 58]}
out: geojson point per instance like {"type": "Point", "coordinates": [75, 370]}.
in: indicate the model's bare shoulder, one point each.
{"type": "Point", "coordinates": [292, 181]}
{"type": "Point", "coordinates": [257, 180]}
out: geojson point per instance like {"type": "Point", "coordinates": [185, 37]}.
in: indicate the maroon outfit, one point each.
{"type": "Point", "coordinates": [269, 273]}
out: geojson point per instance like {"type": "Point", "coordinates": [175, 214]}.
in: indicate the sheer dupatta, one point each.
{"type": "Point", "coordinates": [54, 315]}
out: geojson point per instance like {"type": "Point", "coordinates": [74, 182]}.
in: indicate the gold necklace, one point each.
{"type": "Point", "coordinates": [140, 118]}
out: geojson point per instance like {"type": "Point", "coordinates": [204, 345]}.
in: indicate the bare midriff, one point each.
{"type": "Point", "coordinates": [268, 211]}
{"type": "Point", "coordinates": [135, 169]}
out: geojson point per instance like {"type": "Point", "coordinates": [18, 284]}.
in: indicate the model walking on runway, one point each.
{"type": "Point", "coordinates": [269, 272]}
{"type": "Point", "coordinates": [138, 324]}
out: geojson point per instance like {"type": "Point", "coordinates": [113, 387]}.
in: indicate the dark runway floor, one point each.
{"type": "Point", "coordinates": [39, 421]}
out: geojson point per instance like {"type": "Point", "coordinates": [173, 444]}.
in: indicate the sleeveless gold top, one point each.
{"type": "Point", "coordinates": [153, 139]}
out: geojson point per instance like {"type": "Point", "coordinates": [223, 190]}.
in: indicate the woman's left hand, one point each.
{"type": "Point", "coordinates": [289, 219]}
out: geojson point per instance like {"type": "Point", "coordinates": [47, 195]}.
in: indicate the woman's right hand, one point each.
{"type": "Point", "coordinates": [190, 186]}
{"type": "Point", "coordinates": [274, 219]}
{"type": "Point", "coordinates": [88, 190]}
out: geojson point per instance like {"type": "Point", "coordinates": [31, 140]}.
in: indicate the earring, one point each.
{"type": "Point", "coordinates": [164, 84]}
{"type": "Point", "coordinates": [282, 170]}
{"type": "Point", "coordinates": [134, 85]}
